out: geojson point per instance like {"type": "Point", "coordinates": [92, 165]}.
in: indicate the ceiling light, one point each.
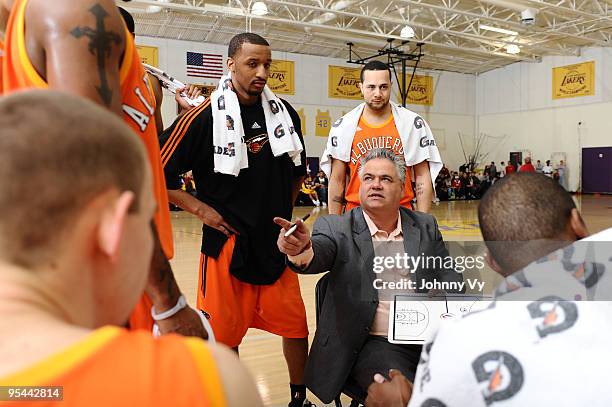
{"type": "Point", "coordinates": [407, 32]}
{"type": "Point", "coordinates": [156, 9]}
{"type": "Point", "coordinates": [259, 8]}
{"type": "Point", "coordinates": [528, 16]}
{"type": "Point", "coordinates": [497, 30]}
{"type": "Point", "coordinates": [513, 49]}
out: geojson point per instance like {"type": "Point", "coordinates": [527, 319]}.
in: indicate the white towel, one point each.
{"type": "Point", "coordinates": [228, 134]}
{"type": "Point", "coordinates": [417, 139]}
{"type": "Point", "coordinates": [168, 82]}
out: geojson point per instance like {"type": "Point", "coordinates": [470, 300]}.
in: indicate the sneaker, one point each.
{"type": "Point", "coordinates": [306, 403]}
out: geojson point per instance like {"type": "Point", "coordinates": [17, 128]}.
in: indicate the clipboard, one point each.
{"type": "Point", "coordinates": [415, 318]}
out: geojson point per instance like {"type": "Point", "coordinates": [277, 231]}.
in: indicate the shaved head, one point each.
{"type": "Point", "coordinates": [59, 153]}
{"type": "Point", "coordinates": [521, 212]}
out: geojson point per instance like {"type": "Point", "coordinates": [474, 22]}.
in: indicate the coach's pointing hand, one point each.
{"type": "Point", "coordinates": [295, 243]}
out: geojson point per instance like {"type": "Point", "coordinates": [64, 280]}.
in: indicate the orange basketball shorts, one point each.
{"type": "Point", "coordinates": [235, 306]}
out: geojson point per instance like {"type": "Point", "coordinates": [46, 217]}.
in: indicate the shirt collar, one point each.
{"type": "Point", "coordinates": [375, 231]}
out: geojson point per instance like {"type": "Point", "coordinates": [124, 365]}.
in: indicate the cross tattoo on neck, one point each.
{"type": "Point", "coordinates": [100, 44]}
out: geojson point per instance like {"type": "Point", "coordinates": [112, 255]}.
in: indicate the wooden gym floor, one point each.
{"type": "Point", "coordinates": [261, 351]}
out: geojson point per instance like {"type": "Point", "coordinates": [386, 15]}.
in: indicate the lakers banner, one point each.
{"type": "Point", "coordinates": [148, 55]}
{"type": "Point", "coordinates": [281, 79]}
{"type": "Point", "coordinates": [421, 90]}
{"type": "Point", "coordinates": [343, 83]}
{"type": "Point", "coordinates": [574, 80]}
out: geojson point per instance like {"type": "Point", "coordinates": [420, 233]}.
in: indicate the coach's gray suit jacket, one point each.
{"type": "Point", "coordinates": [343, 245]}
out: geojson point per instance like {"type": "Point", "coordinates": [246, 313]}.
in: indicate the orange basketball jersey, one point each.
{"type": "Point", "coordinates": [366, 138]}
{"type": "Point", "coordinates": [114, 367]}
{"type": "Point", "coordinates": [1, 62]}
{"type": "Point", "coordinates": [138, 112]}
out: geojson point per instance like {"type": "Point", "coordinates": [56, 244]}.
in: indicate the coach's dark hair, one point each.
{"type": "Point", "coordinates": [250, 38]}
{"type": "Point", "coordinates": [375, 66]}
{"type": "Point", "coordinates": [521, 212]}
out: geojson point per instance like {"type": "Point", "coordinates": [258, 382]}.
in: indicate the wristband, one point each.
{"type": "Point", "coordinates": [207, 327]}
{"type": "Point", "coordinates": [180, 304]}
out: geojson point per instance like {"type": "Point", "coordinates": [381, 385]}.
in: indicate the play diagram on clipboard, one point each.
{"type": "Point", "coordinates": [413, 319]}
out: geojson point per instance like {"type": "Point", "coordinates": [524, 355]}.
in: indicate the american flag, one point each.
{"type": "Point", "coordinates": [204, 65]}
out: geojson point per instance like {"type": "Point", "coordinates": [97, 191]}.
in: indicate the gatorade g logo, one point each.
{"type": "Point", "coordinates": [274, 106]}
{"type": "Point", "coordinates": [279, 131]}
{"type": "Point", "coordinates": [424, 142]}
{"type": "Point", "coordinates": [334, 141]}
{"type": "Point", "coordinates": [433, 403]}
{"type": "Point", "coordinates": [418, 122]}
{"type": "Point", "coordinates": [556, 315]}
{"type": "Point", "coordinates": [221, 102]}
{"type": "Point", "coordinates": [501, 373]}
{"type": "Point", "coordinates": [337, 122]}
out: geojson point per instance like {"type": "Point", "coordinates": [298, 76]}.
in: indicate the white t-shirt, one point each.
{"type": "Point", "coordinates": [547, 170]}
{"type": "Point", "coordinates": [524, 353]}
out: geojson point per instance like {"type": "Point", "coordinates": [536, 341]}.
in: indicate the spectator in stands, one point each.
{"type": "Point", "coordinates": [442, 191]}
{"type": "Point", "coordinates": [561, 170]}
{"type": "Point", "coordinates": [510, 168]}
{"type": "Point", "coordinates": [456, 186]}
{"type": "Point", "coordinates": [188, 183]}
{"type": "Point", "coordinates": [321, 183]}
{"type": "Point", "coordinates": [528, 166]}
{"type": "Point", "coordinates": [444, 173]}
{"type": "Point", "coordinates": [492, 170]}
{"type": "Point", "coordinates": [539, 167]}
{"type": "Point", "coordinates": [547, 169]}
{"type": "Point", "coordinates": [473, 190]}
{"type": "Point", "coordinates": [309, 189]}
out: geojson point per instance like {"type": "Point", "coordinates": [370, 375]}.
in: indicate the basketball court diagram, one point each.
{"type": "Point", "coordinates": [415, 321]}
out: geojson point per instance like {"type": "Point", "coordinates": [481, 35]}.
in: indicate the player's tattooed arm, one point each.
{"type": "Point", "coordinates": [423, 186]}
{"type": "Point", "coordinates": [100, 42]}
{"type": "Point", "coordinates": [420, 189]}
{"type": "Point", "coordinates": [337, 185]}
{"type": "Point", "coordinates": [164, 292]}
{"type": "Point", "coordinates": [161, 287]}
{"type": "Point", "coordinates": [82, 43]}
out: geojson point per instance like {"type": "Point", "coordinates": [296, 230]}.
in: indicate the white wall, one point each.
{"type": "Point", "coordinates": [452, 112]}
{"type": "Point", "coordinates": [514, 106]}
